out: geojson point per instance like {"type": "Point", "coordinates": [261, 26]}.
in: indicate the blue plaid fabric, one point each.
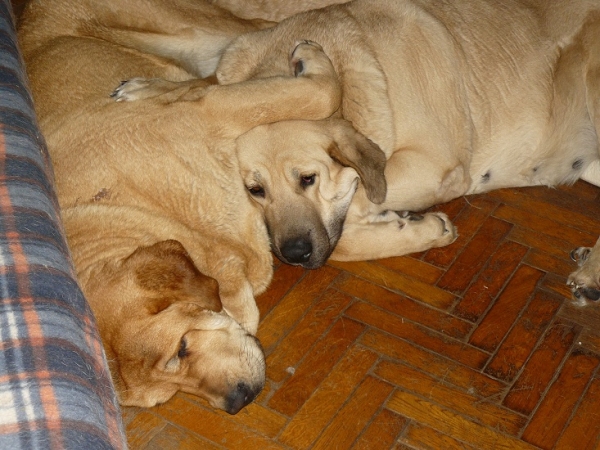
{"type": "Point", "coordinates": [55, 387]}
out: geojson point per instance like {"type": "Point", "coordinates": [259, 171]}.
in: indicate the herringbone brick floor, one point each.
{"type": "Point", "coordinates": [473, 346]}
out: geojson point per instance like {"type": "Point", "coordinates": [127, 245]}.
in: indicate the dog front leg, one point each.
{"type": "Point", "coordinates": [240, 304]}
{"type": "Point", "coordinates": [311, 91]}
{"type": "Point", "coordinates": [393, 234]}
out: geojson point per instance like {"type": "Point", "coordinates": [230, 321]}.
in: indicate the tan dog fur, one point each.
{"type": "Point", "coordinates": [272, 10]}
{"type": "Point", "coordinates": [461, 97]}
{"type": "Point", "coordinates": [168, 249]}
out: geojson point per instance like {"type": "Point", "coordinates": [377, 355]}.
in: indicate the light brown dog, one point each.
{"type": "Point", "coordinates": [168, 248]}
{"type": "Point", "coordinates": [461, 97]}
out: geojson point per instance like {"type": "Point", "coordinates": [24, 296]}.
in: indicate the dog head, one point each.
{"type": "Point", "coordinates": [164, 330]}
{"type": "Point", "coordinates": [585, 281]}
{"type": "Point", "coordinates": [305, 185]}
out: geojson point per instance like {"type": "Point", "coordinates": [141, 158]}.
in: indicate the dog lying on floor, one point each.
{"type": "Point", "coordinates": [460, 97]}
{"type": "Point", "coordinates": [168, 248]}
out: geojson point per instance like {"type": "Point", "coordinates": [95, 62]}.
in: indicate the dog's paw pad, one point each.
{"type": "Point", "coordinates": [304, 53]}
{"type": "Point", "coordinates": [130, 90]}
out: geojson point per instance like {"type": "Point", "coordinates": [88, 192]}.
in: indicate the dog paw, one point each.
{"type": "Point", "coordinates": [448, 230]}
{"type": "Point", "coordinates": [431, 229]}
{"type": "Point", "coordinates": [580, 255]}
{"type": "Point", "coordinates": [132, 90]}
{"type": "Point", "coordinates": [308, 58]}
{"type": "Point", "coordinates": [585, 281]}
{"type": "Point", "coordinates": [436, 227]}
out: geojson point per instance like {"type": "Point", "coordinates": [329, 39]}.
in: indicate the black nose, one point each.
{"type": "Point", "coordinates": [241, 396]}
{"type": "Point", "coordinates": [591, 294]}
{"type": "Point", "coordinates": [296, 251]}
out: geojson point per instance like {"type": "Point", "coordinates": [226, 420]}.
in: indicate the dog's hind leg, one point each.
{"type": "Point", "coordinates": [590, 41]}
{"type": "Point", "coordinates": [417, 179]}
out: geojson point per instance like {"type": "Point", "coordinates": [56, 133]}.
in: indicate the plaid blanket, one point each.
{"type": "Point", "coordinates": [55, 388]}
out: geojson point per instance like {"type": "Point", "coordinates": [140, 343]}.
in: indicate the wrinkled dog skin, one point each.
{"type": "Point", "coordinates": [168, 248]}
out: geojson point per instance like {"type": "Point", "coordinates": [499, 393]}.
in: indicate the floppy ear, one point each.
{"type": "Point", "coordinates": [166, 269]}
{"type": "Point", "coordinates": [350, 148]}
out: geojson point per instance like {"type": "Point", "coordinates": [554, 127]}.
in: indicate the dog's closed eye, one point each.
{"type": "Point", "coordinates": [175, 363]}
{"type": "Point", "coordinates": [307, 180]}
{"type": "Point", "coordinates": [256, 191]}
{"type": "Point", "coordinates": [183, 350]}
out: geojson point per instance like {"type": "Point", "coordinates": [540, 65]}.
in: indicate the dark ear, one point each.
{"type": "Point", "coordinates": [352, 149]}
{"type": "Point", "coordinates": [167, 270]}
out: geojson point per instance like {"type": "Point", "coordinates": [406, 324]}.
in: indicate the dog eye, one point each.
{"type": "Point", "coordinates": [256, 191]}
{"type": "Point", "coordinates": [307, 180]}
{"type": "Point", "coordinates": [183, 351]}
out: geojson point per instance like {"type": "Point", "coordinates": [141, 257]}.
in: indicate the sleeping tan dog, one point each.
{"type": "Point", "coordinates": [168, 248]}
{"type": "Point", "coordinates": [461, 97]}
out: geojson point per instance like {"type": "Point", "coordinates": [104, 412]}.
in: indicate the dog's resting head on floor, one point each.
{"type": "Point", "coordinates": [173, 334]}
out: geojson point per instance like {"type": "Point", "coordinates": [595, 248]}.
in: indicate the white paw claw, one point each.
{"type": "Point", "coordinates": [127, 91]}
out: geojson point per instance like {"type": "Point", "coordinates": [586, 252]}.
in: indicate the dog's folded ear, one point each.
{"type": "Point", "coordinates": [166, 270]}
{"type": "Point", "coordinates": [350, 148]}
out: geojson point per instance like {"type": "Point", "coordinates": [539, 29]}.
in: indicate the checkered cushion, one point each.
{"type": "Point", "coordinates": [55, 388]}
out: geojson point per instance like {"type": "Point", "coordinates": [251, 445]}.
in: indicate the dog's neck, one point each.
{"type": "Point", "coordinates": [100, 234]}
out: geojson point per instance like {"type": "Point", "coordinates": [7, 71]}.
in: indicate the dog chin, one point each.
{"type": "Point", "coordinates": [311, 263]}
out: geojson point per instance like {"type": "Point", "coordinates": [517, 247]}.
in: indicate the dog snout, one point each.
{"type": "Point", "coordinates": [297, 250]}
{"type": "Point", "coordinates": [241, 396]}
{"type": "Point", "coordinates": [590, 294]}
